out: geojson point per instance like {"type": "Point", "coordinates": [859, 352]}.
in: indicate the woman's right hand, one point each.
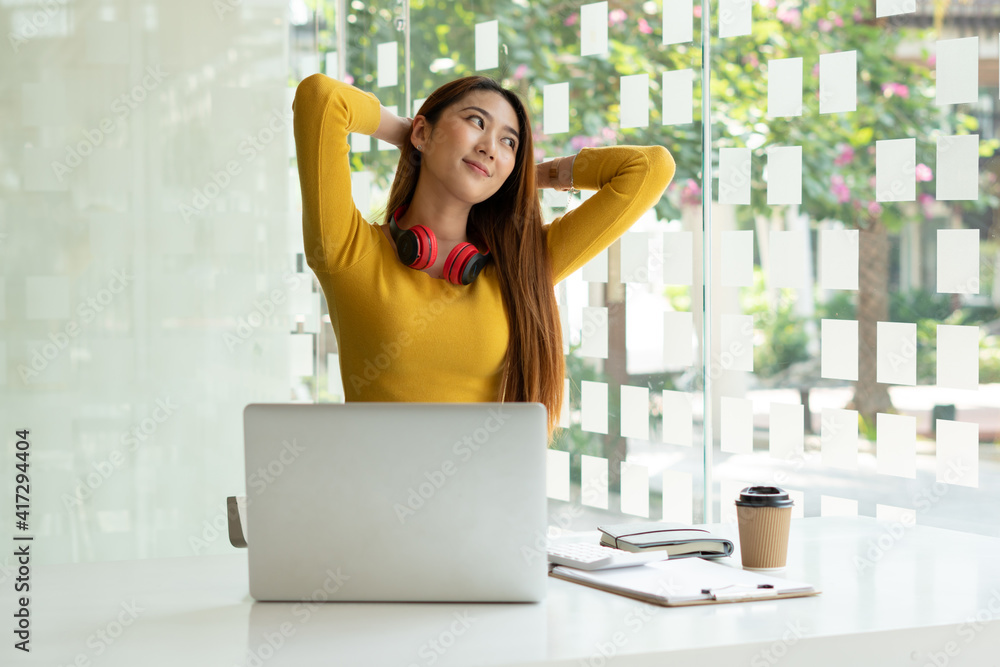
{"type": "Point", "coordinates": [393, 129]}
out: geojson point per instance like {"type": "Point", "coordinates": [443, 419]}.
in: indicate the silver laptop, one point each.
{"type": "Point", "coordinates": [396, 501]}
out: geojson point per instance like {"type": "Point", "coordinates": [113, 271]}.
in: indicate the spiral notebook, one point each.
{"type": "Point", "coordinates": [687, 581]}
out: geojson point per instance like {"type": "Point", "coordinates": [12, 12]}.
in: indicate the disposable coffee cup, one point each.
{"type": "Point", "coordinates": [764, 514]}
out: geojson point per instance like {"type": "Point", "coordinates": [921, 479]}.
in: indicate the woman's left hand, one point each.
{"type": "Point", "coordinates": [556, 174]}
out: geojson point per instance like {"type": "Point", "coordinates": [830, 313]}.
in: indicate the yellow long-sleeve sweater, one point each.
{"type": "Point", "coordinates": [403, 335]}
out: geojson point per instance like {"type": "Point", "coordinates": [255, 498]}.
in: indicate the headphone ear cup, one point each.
{"type": "Point", "coordinates": [418, 247]}
{"type": "Point", "coordinates": [463, 264]}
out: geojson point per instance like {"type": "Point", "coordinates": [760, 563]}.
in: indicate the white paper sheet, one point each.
{"type": "Point", "coordinates": [958, 168]}
{"type": "Point", "coordinates": [958, 356]}
{"type": "Point", "coordinates": [634, 250]}
{"type": "Point", "coordinates": [678, 418]}
{"type": "Point", "coordinates": [839, 344]}
{"type": "Point", "coordinates": [737, 425]}
{"type": "Point", "coordinates": [678, 97]}
{"type": "Point", "coordinates": [896, 353]}
{"type": "Point", "coordinates": [678, 335]}
{"type": "Point", "coordinates": [555, 103]}
{"type": "Point", "coordinates": [957, 453]}
{"type": "Point", "coordinates": [635, 489]}
{"type": "Point", "coordinates": [895, 170]}
{"type": "Point", "coordinates": [594, 29]}
{"type": "Point", "coordinates": [737, 258]}
{"type": "Point", "coordinates": [736, 347]}
{"type": "Point", "coordinates": [596, 270]}
{"type": "Point", "coordinates": [957, 65]}
{"type": "Point", "coordinates": [784, 175]}
{"type": "Point", "coordinates": [896, 445]}
{"type": "Point", "coordinates": [677, 258]}
{"type": "Point", "coordinates": [594, 340]}
{"type": "Point", "coordinates": [894, 7]}
{"type": "Point", "coordinates": [734, 17]}
{"type": "Point", "coordinates": [678, 21]}
{"type": "Point", "coordinates": [557, 474]}
{"type": "Point", "coordinates": [388, 64]}
{"type": "Point", "coordinates": [787, 267]}
{"type": "Point", "coordinates": [834, 506]}
{"type": "Point", "coordinates": [300, 354]}
{"type": "Point", "coordinates": [838, 82]}
{"type": "Point", "coordinates": [635, 101]}
{"type": "Point", "coordinates": [594, 481]}
{"type": "Point", "coordinates": [564, 413]}
{"type": "Point", "coordinates": [958, 261]}
{"type": "Point", "coordinates": [839, 438]}
{"type": "Point", "coordinates": [838, 259]}
{"type": "Point", "coordinates": [734, 176]}
{"type": "Point", "coordinates": [784, 87]}
{"type": "Point", "coordinates": [487, 45]}
{"type": "Point", "coordinates": [635, 412]}
{"type": "Point", "coordinates": [678, 497]}
{"type": "Point", "coordinates": [786, 436]}
{"type": "Point", "coordinates": [594, 406]}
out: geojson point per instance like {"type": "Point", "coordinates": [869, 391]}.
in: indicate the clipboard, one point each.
{"type": "Point", "coordinates": [687, 581]}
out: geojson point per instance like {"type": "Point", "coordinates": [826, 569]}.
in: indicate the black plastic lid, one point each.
{"type": "Point", "coordinates": [764, 496]}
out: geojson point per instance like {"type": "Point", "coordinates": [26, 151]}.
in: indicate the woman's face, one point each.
{"type": "Point", "coordinates": [473, 146]}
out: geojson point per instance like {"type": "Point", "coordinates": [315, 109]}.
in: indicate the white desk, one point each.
{"type": "Point", "coordinates": [911, 605]}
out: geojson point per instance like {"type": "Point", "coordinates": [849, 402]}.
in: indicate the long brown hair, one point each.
{"type": "Point", "coordinates": [510, 224]}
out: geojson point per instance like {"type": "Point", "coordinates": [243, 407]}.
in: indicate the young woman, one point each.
{"type": "Point", "coordinates": [456, 322]}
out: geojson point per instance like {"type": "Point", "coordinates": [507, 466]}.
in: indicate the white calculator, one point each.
{"type": "Point", "coordinates": [589, 556]}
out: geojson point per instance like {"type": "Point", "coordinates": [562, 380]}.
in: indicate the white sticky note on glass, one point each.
{"type": "Point", "coordinates": [593, 29]}
{"type": "Point", "coordinates": [557, 474]}
{"type": "Point", "coordinates": [838, 82]}
{"type": "Point", "coordinates": [958, 168]}
{"type": "Point", "coordinates": [894, 7]}
{"type": "Point", "coordinates": [838, 259]}
{"type": "Point", "coordinates": [734, 17]}
{"type": "Point", "coordinates": [388, 64]}
{"type": "Point", "coordinates": [678, 21]}
{"type": "Point", "coordinates": [678, 333]}
{"type": "Point", "coordinates": [555, 103]}
{"type": "Point", "coordinates": [594, 481]}
{"type": "Point", "coordinates": [634, 101]}
{"type": "Point", "coordinates": [678, 418]}
{"type": "Point", "coordinates": [334, 379]}
{"type": "Point", "coordinates": [678, 497]}
{"type": "Point", "coordinates": [895, 170]}
{"type": "Point", "coordinates": [385, 145]}
{"type": "Point", "coordinates": [893, 514]}
{"type": "Point", "coordinates": [957, 71]}
{"type": "Point", "coordinates": [784, 87]}
{"type": "Point", "coordinates": [737, 425]}
{"type": "Point", "coordinates": [332, 65]}
{"type": "Point", "coordinates": [635, 489]}
{"type": "Point", "coordinates": [596, 270]}
{"type": "Point", "coordinates": [896, 445]}
{"type": "Point", "coordinates": [417, 103]}
{"type": "Point", "coordinates": [787, 267]}
{"type": "Point", "coordinates": [564, 413]}
{"type": "Point", "coordinates": [635, 412]}
{"type": "Point", "coordinates": [839, 438]}
{"type": "Point", "coordinates": [737, 258]}
{"type": "Point", "coordinates": [786, 431]}
{"type": "Point", "coordinates": [957, 453]}
{"type": "Point", "coordinates": [729, 489]}
{"type": "Point", "coordinates": [361, 191]}
{"type": "Point", "coordinates": [594, 406]}
{"type": "Point", "coordinates": [564, 322]}
{"type": "Point", "coordinates": [555, 198]}
{"type": "Point", "coordinates": [47, 298]}
{"type": "Point", "coordinates": [896, 353]}
{"type": "Point", "coordinates": [834, 506]}
{"type": "Point", "coordinates": [958, 261]}
{"type": "Point", "coordinates": [594, 335]}
{"type": "Point", "coordinates": [678, 97]}
{"type": "Point", "coordinates": [360, 143]}
{"type": "Point", "coordinates": [736, 347]}
{"type": "Point", "coordinates": [839, 344]}
{"type": "Point", "coordinates": [734, 176]}
{"type": "Point", "coordinates": [300, 354]}
{"type": "Point", "coordinates": [958, 356]}
{"type": "Point", "coordinates": [677, 258]}
{"type": "Point", "coordinates": [487, 45]}
{"type": "Point", "coordinates": [784, 175]}
{"type": "Point", "coordinates": [635, 257]}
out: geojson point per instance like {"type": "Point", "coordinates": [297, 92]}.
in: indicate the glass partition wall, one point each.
{"type": "Point", "coordinates": [811, 304]}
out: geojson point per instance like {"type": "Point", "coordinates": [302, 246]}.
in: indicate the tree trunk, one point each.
{"type": "Point", "coordinates": [871, 397]}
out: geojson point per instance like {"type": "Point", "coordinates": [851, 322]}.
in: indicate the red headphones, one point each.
{"type": "Point", "coordinates": [417, 248]}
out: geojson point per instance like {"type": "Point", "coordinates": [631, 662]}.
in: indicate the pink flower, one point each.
{"type": "Point", "coordinates": [899, 89]}
{"type": "Point", "coordinates": [768, 4]}
{"type": "Point", "coordinates": [751, 59]}
{"type": "Point", "coordinates": [607, 134]}
{"type": "Point", "coordinates": [616, 16]}
{"type": "Point", "coordinates": [932, 60]}
{"type": "Point", "coordinates": [857, 16]}
{"type": "Point", "coordinates": [582, 141]}
{"type": "Point", "coordinates": [790, 17]}
{"type": "Point", "coordinates": [840, 189]}
{"type": "Point", "coordinates": [348, 79]}
{"type": "Point", "coordinates": [815, 70]}
{"type": "Point", "coordinates": [644, 27]}
{"type": "Point", "coordinates": [837, 21]}
{"type": "Point", "coordinates": [874, 209]}
{"type": "Point", "coordinates": [520, 71]}
{"type": "Point", "coordinates": [824, 25]}
{"type": "Point", "coordinates": [924, 172]}
{"type": "Point", "coordinates": [571, 19]}
{"type": "Point", "coordinates": [845, 156]}
{"type": "Point", "coordinates": [926, 203]}
{"type": "Point", "coordinates": [691, 194]}
{"type": "Point", "coordinates": [697, 11]}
